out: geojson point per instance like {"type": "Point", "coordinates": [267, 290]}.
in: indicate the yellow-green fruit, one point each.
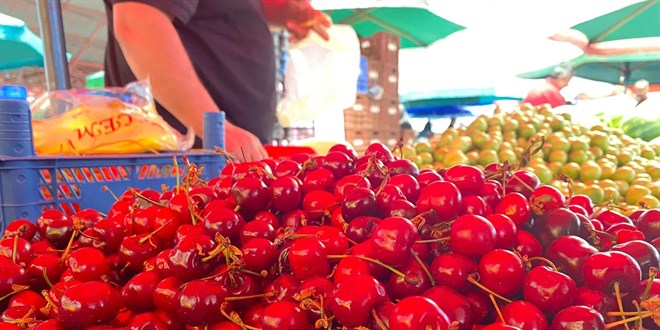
{"type": "Point", "coordinates": [542, 172]}
{"type": "Point", "coordinates": [655, 188]}
{"type": "Point", "coordinates": [623, 186]}
{"type": "Point", "coordinates": [624, 173]}
{"type": "Point", "coordinates": [426, 166]}
{"type": "Point", "coordinates": [558, 156]}
{"type": "Point", "coordinates": [462, 143]}
{"type": "Point", "coordinates": [510, 125]}
{"type": "Point", "coordinates": [596, 152]}
{"type": "Point", "coordinates": [455, 157]}
{"type": "Point", "coordinates": [590, 171]}
{"type": "Point", "coordinates": [408, 152]}
{"type": "Point", "coordinates": [491, 145]}
{"type": "Point", "coordinates": [439, 154]}
{"type": "Point", "coordinates": [417, 159]}
{"type": "Point", "coordinates": [479, 139]}
{"type": "Point", "coordinates": [578, 144]}
{"type": "Point", "coordinates": [555, 168]}
{"type": "Point", "coordinates": [495, 121]}
{"type": "Point", "coordinates": [578, 156]}
{"type": "Point", "coordinates": [648, 153]}
{"type": "Point", "coordinates": [649, 202]}
{"type": "Point", "coordinates": [595, 192]}
{"type": "Point", "coordinates": [624, 158]}
{"type": "Point", "coordinates": [445, 140]}
{"type": "Point", "coordinates": [572, 170]}
{"type": "Point", "coordinates": [600, 140]}
{"type": "Point", "coordinates": [635, 193]}
{"type": "Point", "coordinates": [607, 170]}
{"type": "Point", "coordinates": [473, 157]}
{"type": "Point", "coordinates": [481, 123]}
{"type": "Point", "coordinates": [427, 157]}
{"type": "Point", "coordinates": [507, 155]}
{"type": "Point", "coordinates": [611, 194]}
{"type": "Point", "coordinates": [487, 156]}
{"type": "Point", "coordinates": [653, 169]}
{"type": "Point", "coordinates": [423, 146]}
{"type": "Point", "coordinates": [527, 130]}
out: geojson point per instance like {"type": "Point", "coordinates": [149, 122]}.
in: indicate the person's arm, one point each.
{"type": "Point", "coordinates": [298, 16]}
{"type": "Point", "coordinates": [154, 51]}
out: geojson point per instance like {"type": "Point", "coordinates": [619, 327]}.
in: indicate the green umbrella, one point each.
{"type": "Point", "coordinates": [19, 46]}
{"type": "Point", "coordinates": [414, 22]}
{"type": "Point", "coordinates": [639, 20]}
{"type": "Point", "coordinates": [610, 68]}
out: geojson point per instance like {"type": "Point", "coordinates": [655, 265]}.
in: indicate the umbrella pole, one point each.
{"type": "Point", "coordinates": [52, 32]}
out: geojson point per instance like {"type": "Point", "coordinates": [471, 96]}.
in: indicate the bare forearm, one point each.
{"type": "Point", "coordinates": [154, 51]}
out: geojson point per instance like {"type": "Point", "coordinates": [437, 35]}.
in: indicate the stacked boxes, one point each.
{"type": "Point", "coordinates": [376, 114]}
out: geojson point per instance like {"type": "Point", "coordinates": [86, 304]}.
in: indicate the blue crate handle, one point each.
{"type": "Point", "coordinates": [13, 92]}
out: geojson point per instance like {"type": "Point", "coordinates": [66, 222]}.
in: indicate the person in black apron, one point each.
{"type": "Point", "coordinates": [206, 55]}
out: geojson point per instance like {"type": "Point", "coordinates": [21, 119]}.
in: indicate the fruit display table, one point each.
{"type": "Point", "coordinates": [523, 220]}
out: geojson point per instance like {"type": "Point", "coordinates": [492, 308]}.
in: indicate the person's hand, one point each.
{"type": "Point", "coordinates": [239, 142]}
{"type": "Point", "coordinates": [300, 18]}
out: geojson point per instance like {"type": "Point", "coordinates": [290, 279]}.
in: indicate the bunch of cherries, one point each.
{"type": "Point", "coordinates": [336, 242]}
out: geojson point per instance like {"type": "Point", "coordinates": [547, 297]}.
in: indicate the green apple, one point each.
{"type": "Point", "coordinates": [572, 170]}
{"type": "Point", "coordinates": [635, 193]}
{"type": "Point", "coordinates": [590, 171]}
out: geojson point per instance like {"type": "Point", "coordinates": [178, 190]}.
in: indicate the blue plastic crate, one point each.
{"type": "Point", "coordinates": [363, 78]}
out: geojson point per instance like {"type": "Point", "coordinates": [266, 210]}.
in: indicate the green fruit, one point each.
{"type": "Point", "coordinates": [418, 160]}
{"type": "Point", "coordinates": [509, 136]}
{"type": "Point", "coordinates": [439, 154]}
{"type": "Point", "coordinates": [423, 146]}
{"type": "Point", "coordinates": [578, 156]}
{"type": "Point", "coordinates": [511, 125]}
{"type": "Point", "coordinates": [558, 156]}
{"type": "Point", "coordinates": [579, 145]}
{"type": "Point", "coordinates": [427, 157]}
{"type": "Point", "coordinates": [445, 140]}
{"type": "Point", "coordinates": [635, 193]}
{"type": "Point", "coordinates": [555, 168]}
{"type": "Point", "coordinates": [507, 155]}
{"type": "Point", "coordinates": [481, 123]}
{"type": "Point", "coordinates": [495, 121]}
{"type": "Point", "coordinates": [649, 202]}
{"type": "Point", "coordinates": [594, 192]}
{"type": "Point", "coordinates": [623, 186]}
{"type": "Point", "coordinates": [572, 170]}
{"type": "Point", "coordinates": [624, 173]}
{"type": "Point", "coordinates": [607, 170]}
{"type": "Point", "coordinates": [561, 144]}
{"type": "Point", "coordinates": [408, 152]}
{"type": "Point", "coordinates": [624, 158]}
{"type": "Point", "coordinates": [491, 145]}
{"type": "Point", "coordinates": [596, 152]}
{"type": "Point", "coordinates": [480, 139]}
{"type": "Point", "coordinates": [473, 157]}
{"type": "Point", "coordinates": [455, 157]}
{"type": "Point", "coordinates": [542, 172]}
{"type": "Point", "coordinates": [590, 171]}
{"type": "Point", "coordinates": [600, 140]}
{"type": "Point", "coordinates": [527, 131]}
{"type": "Point", "coordinates": [462, 143]}
{"type": "Point", "coordinates": [557, 124]}
{"type": "Point", "coordinates": [611, 194]}
{"type": "Point", "coordinates": [655, 188]}
{"type": "Point", "coordinates": [648, 153]}
{"type": "Point", "coordinates": [488, 156]}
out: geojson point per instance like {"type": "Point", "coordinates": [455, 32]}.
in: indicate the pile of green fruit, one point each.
{"type": "Point", "coordinates": [603, 163]}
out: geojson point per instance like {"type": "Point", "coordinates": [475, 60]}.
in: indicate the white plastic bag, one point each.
{"type": "Point", "coordinates": [321, 76]}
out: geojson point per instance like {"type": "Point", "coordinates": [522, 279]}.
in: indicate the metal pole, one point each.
{"type": "Point", "coordinates": [52, 32]}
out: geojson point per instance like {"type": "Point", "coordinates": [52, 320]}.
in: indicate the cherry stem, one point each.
{"type": "Point", "coordinates": [190, 206]}
{"type": "Point", "coordinates": [547, 261]}
{"type": "Point", "coordinates": [617, 292]}
{"type": "Point", "coordinates": [377, 262]}
{"type": "Point", "coordinates": [653, 272]}
{"type": "Point", "coordinates": [379, 322]}
{"type": "Point", "coordinates": [44, 271]}
{"type": "Point", "coordinates": [15, 289]}
{"type": "Point", "coordinates": [423, 265]}
{"type": "Point", "coordinates": [148, 237]}
{"type": "Point", "coordinates": [624, 321]}
{"type": "Point", "coordinates": [235, 318]}
{"type": "Point", "coordinates": [474, 281]}
{"type": "Point", "coordinates": [144, 198]}
{"type": "Point", "coordinates": [523, 183]}
{"type": "Point", "coordinates": [261, 295]}
{"type": "Point", "coordinates": [497, 308]}
{"type": "Point", "coordinates": [435, 240]}
{"type": "Point", "coordinates": [105, 188]}
{"type": "Point", "coordinates": [14, 249]}
{"type": "Point", "coordinates": [68, 245]}
{"type": "Point", "coordinates": [228, 157]}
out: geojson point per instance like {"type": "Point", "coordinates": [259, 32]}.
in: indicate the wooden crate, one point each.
{"type": "Point", "coordinates": [382, 46]}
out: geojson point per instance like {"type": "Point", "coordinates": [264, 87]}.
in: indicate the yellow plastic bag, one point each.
{"type": "Point", "coordinates": [103, 121]}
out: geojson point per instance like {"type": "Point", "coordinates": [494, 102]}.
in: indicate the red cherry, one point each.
{"type": "Point", "coordinates": [318, 179]}
{"type": "Point", "coordinates": [87, 304]}
{"type": "Point", "coordinates": [472, 235]}
{"type": "Point", "coordinates": [505, 230]}
{"type": "Point", "coordinates": [11, 274]}
{"type": "Point", "coordinates": [480, 305]}
{"type": "Point", "coordinates": [392, 240]}
{"type": "Point", "coordinates": [238, 284]}
{"type": "Point", "coordinates": [225, 222]}
{"type": "Point", "coordinates": [21, 228]}
{"type": "Point", "coordinates": [441, 197]}
{"type": "Point", "coordinates": [400, 287]}
{"type": "Point", "coordinates": [136, 249]}
{"type": "Point", "coordinates": [105, 235]}
{"type": "Point", "coordinates": [515, 206]}
{"type": "Point", "coordinates": [146, 321]}
{"type": "Point", "coordinates": [308, 258]}
{"type": "Point", "coordinates": [521, 182]}
{"type": "Point", "coordinates": [295, 219]}
{"type": "Point", "coordinates": [401, 208]}
{"type": "Point", "coordinates": [402, 166]}
{"type": "Point", "coordinates": [644, 253]}
{"type": "Point", "coordinates": [555, 223]}
{"type": "Point", "coordinates": [524, 315]}
{"type": "Point", "coordinates": [417, 312]}
{"type": "Point", "coordinates": [347, 183]}
{"type": "Point", "coordinates": [468, 179]}
{"type": "Point", "coordinates": [610, 218]}
{"type": "Point", "coordinates": [189, 258]}
{"type": "Point", "coordinates": [473, 204]}
{"type": "Point", "coordinates": [578, 317]}
{"type": "Point", "coordinates": [427, 177]}
{"type": "Point", "coordinates": [649, 224]}
{"type": "Point", "coordinates": [491, 193]}
{"type": "Point", "coordinates": [408, 185]}
{"type": "Point", "coordinates": [358, 202]}
{"type": "Point", "coordinates": [601, 270]}
{"type": "Point", "coordinates": [452, 270]}
{"type": "Point", "coordinates": [569, 253]}
{"type": "Point", "coordinates": [284, 315]}
{"type": "Point", "coordinates": [360, 228]}
{"type": "Point", "coordinates": [284, 287]}
{"type": "Point", "coordinates": [166, 294]}
{"type": "Point", "coordinates": [251, 194]}
{"type": "Point", "coordinates": [200, 302]}
{"type": "Point", "coordinates": [88, 264]}
{"type": "Point", "coordinates": [29, 298]}
{"type": "Point", "coordinates": [584, 201]}
{"type": "Point", "coordinates": [286, 193]}
{"type": "Point", "coordinates": [348, 267]}
{"type": "Point", "coordinates": [354, 297]}
{"type": "Point", "coordinates": [546, 198]}
{"type": "Point", "coordinates": [17, 249]}
{"type": "Point", "coordinates": [597, 300]}
{"type": "Point", "coordinates": [48, 265]}
{"type": "Point", "coordinates": [345, 148]}
{"type": "Point", "coordinates": [527, 244]}
{"type": "Point", "coordinates": [339, 163]}
{"type": "Point", "coordinates": [502, 272]}
{"type": "Point", "coordinates": [500, 326]}
{"type": "Point", "coordinates": [549, 290]}
{"type": "Point", "coordinates": [287, 167]}
{"type": "Point", "coordinates": [454, 305]}
{"type": "Point", "coordinates": [258, 254]}
{"type": "Point", "coordinates": [386, 195]}
{"type": "Point", "coordinates": [257, 229]}
{"type": "Point", "coordinates": [333, 239]}
{"type": "Point", "coordinates": [137, 293]}
{"type": "Point", "coordinates": [380, 151]}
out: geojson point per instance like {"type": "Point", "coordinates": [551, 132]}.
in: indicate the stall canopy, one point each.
{"type": "Point", "coordinates": [20, 46]}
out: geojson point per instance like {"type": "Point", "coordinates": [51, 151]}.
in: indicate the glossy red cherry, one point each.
{"type": "Point", "coordinates": [200, 302]}
{"type": "Point", "coordinates": [284, 315]}
{"type": "Point", "coordinates": [408, 185]}
{"type": "Point", "coordinates": [318, 179]}
{"type": "Point", "coordinates": [527, 244]}
{"type": "Point", "coordinates": [546, 198]}
{"type": "Point", "coordinates": [597, 300]}
{"type": "Point", "coordinates": [603, 269]}
{"type": "Point", "coordinates": [515, 206]}
{"type": "Point", "coordinates": [190, 258]}
{"type": "Point", "coordinates": [578, 317]}
{"type": "Point", "coordinates": [29, 298]}
{"type": "Point", "coordinates": [308, 258]}
{"type": "Point", "coordinates": [401, 208]}
{"type": "Point", "coordinates": [360, 228]}
{"type": "Point", "coordinates": [88, 264]}
{"type": "Point", "coordinates": [358, 202]}
{"type": "Point", "coordinates": [21, 228]}
{"type": "Point", "coordinates": [505, 230]}
{"type": "Point", "coordinates": [644, 253]}
{"type": "Point", "coordinates": [427, 177]}
{"type": "Point", "coordinates": [472, 235]}
{"type": "Point", "coordinates": [347, 183]}
{"type": "Point", "coordinates": [166, 294]}
{"type": "Point", "coordinates": [354, 297]}
{"type": "Point", "coordinates": [402, 166]}
{"type": "Point", "coordinates": [345, 148]}
{"type": "Point", "coordinates": [452, 270]}
{"type": "Point", "coordinates": [610, 218]}
{"type": "Point", "coordinates": [105, 235]}
{"type": "Point", "coordinates": [257, 229]}
{"type": "Point", "coordinates": [348, 267]}
{"type": "Point", "coordinates": [250, 194]}
{"type": "Point", "coordinates": [453, 304]}
{"type": "Point", "coordinates": [502, 272]}
{"type": "Point", "coordinates": [259, 254]}
{"type": "Point", "coordinates": [392, 240]}
{"type": "Point", "coordinates": [400, 287]}
{"type": "Point", "coordinates": [555, 223]}
{"type": "Point", "coordinates": [333, 238]}
{"type": "Point", "coordinates": [136, 249]}
{"type": "Point", "coordinates": [468, 179]}
{"type": "Point", "coordinates": [491, 193]}
{"type": "Point", "coordinates": [284, 287]}
{"type": "Point", "coordinates": [417, 312]}
{"type": "Point", "coordinates": [339, 163]}
{"type": "Point", "coordinates": [17, 249]}
{"type": "Point", "coordinates": [87, 304]}
{"type": "Point", "coordinates": [649, 224]}
{"type": "Point", "coordinates": [548, 289]}
{"type": "Point", "coordinates": [319, 205]}
{"type": "Point", "coordinates": [442, 197]}
{"type": "Point", "coordinates": [380, 151]}
{"type": "Point", "coordinates": [11, 274]}
{"type": "Point", "coordinates": [473, 204]}
{"type": "Point", "coordinates": [137, 293]}
{"type": "Point", "coordinates": [144, 321]}
{"type": "Point", "coordinates": [225, 222]}
{"type": "Point", "coordinates": [524, 315]}
{"type": "Point", "coordinates": [386, 195]}
{"type": "Point", "coordinates": [523, 182]}
{"type": "Point", "coordinates": [569, 253]}
{"type": "Point", "coordinates": [287, 167]}
{"type": "Point", "coordinates": [584, 201]}
{"type": "Point", "coordinates": [286, 193]}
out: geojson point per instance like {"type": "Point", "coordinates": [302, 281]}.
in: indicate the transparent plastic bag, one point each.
{"type": "Point", "coordinates": [119, 120]}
